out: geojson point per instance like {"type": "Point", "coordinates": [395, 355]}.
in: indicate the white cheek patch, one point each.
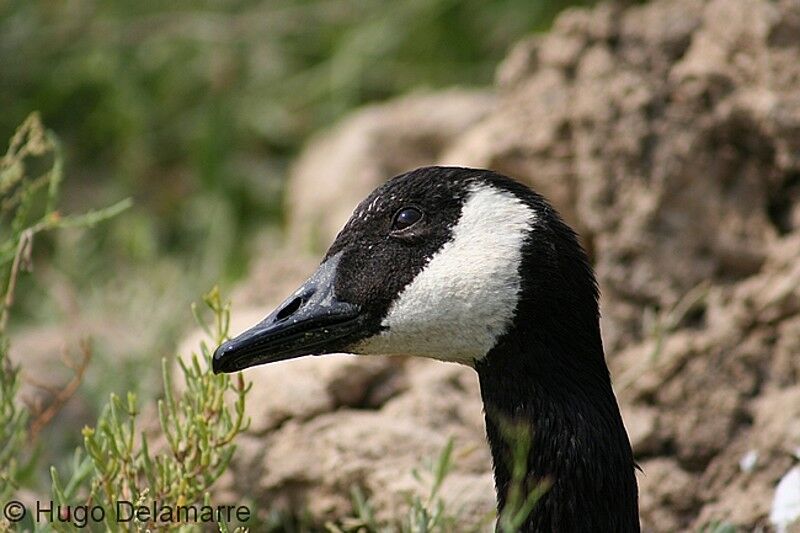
{"type": "Point", "coordinates": [465, 298]}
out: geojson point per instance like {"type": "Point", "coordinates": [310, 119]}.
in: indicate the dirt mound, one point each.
{"type": "Point", "coordinates": [669, 136]}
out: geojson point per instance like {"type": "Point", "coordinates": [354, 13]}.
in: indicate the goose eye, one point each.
{"type": "Point", "coordinates": [405, 218]}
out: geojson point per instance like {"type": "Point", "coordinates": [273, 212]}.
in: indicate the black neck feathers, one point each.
{"type": "Point", "coordinates": [548, 374]}
{"type": "Point", "coordinates": [579, 445]}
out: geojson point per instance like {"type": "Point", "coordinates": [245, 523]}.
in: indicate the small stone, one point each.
{"type": "Point", "coordinates": [786, 503]}
{"type": "Point", "coordinates": [748, 461]}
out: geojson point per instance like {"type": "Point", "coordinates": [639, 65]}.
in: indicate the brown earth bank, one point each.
{"type": "Point", "coordinates": [669, 135]}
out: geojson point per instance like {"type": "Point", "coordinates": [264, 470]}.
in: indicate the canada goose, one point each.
{"type": "Point", "coordinates": [469, 266]}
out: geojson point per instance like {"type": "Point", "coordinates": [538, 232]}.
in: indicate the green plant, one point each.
{"type": "Point", "coordinates": [30, 181]}
{"type": "Point", "coordinates": [432, 515]}
{"type": "Point", "coordinates": [198, 426]}
{"type": "Point", "coordinates": [28, 204]}
{"type": "Point", "coordinates": [659, 325]}
{"type": "Point", "coordinates": [429, 514]}
{"type": "Point", "coordinates": [195, 108]}
{"type": "Point", "coordinates": [718, 527]}
{"type": "Point", "coordinates": [13, 423]}
{"type": "Point", "coordinates": [423, 515]}
{"type": "Point", "coordinates": [521, 498]}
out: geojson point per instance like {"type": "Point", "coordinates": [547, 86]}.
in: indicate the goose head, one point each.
{"type": "Point", "coordinates": [468, 266]}
{"type": "Point", "coordinates": [431, 264]}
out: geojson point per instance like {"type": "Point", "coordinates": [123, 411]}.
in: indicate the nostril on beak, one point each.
{"type": "Point", "coordinates": [289, 309]}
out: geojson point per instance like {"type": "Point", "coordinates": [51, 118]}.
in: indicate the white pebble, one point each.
{"type": "Point", "coordinates": [786, 503]}
{"type": "Point", "coordinates": [748, 461]}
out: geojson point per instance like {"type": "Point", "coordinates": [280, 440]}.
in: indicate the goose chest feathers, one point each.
{"type": "Point", "coordinates": [469, 266]}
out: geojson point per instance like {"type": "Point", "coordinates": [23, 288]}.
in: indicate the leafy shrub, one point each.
{"type": "Point", "coordinates": [27, 209]}
{"type": "Point", "coordinates": [197, 427]}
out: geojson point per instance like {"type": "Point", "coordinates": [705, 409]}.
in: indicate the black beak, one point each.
{"type": "Point", "coordinates": [310, 322]}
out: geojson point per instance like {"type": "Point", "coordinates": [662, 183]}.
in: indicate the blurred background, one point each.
{"type": "Point", "coordinates": [194, 110]}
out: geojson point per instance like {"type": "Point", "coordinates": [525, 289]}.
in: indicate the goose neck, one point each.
{"type": "Point", "coordinates": [578, 445]}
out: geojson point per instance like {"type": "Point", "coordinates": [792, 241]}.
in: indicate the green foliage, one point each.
{"type": "Point", "coordinates": [199, 427]}
{"type": "Point", "coordinates": [28, 204]}
{"type": "Point", "coordinates": [30, 179]}
{"type": "Point", "coordinates": [13, 424]}
{"type": "Point", "coordinates": [431, 514]}
{"type": "Point", "coordinates": [521, 499]}
{"type": "Point", "coordinates": [719, 527]}
{"type": "Point", "coordinates": [194, 108]}
{"type": "Point", "coordinates": [423, 515]}
{"type": "Point", "coordinates": [659, 324]}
